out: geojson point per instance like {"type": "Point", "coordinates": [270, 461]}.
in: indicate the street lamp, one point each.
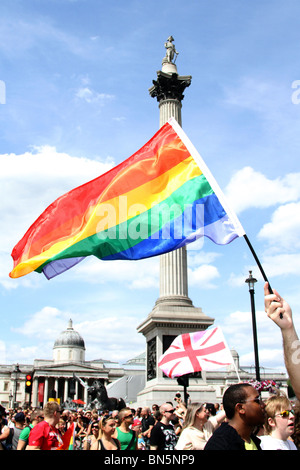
{"type": "Point", "coordinates": [16, 376]}
{"type": "Point", "coordinates": [10, 398]}
{"type": "Point", "coordinates": [251, 281]}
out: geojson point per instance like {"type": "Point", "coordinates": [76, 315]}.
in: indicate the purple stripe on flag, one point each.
{"type": "Point", "coordinates": [59, 266]}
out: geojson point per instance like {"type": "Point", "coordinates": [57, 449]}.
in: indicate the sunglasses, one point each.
{"type": "Point", "coordinates": [285, 413]}
{"type": "Point", "coordinates": [170, 411]}
{"type": "Point", "coordinates": [129, 416]}
{"type": "Point", "coordinates": [257, 400]}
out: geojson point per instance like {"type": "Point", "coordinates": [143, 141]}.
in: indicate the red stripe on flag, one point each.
{"type": "Point", "coordinates": [197, 352]}
{"type": "Point", "coordinates": [173, 368]}
{"type": "Point", "coordinates": [190, 352]}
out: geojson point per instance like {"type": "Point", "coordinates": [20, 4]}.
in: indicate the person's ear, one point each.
{"type": "Point", "coordinates": [271, 422]}
{"type": "Point", "coordinates": [239, 408]}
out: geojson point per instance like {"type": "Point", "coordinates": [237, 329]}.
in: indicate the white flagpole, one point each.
{"type": "Point", "coordinates": [239, 379]}
{"type": "Point", "coordinates": [235, 368]}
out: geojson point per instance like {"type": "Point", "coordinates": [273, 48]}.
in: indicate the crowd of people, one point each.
{"type": "Point", "coordinates": [243, 421]}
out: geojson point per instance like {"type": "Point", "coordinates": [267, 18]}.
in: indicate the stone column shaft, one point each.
{"type": "Point", "coordinates": [173, 265]}
{"type": "Point", "coordinates": [169, 108]}
{"type": "Point", "coordinates": [173, 274]}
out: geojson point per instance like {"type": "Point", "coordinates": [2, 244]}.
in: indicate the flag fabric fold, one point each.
{"type": "Point", "coordinates": [159, 199]}
{"type": "Point", "coordinates": [192, 352]}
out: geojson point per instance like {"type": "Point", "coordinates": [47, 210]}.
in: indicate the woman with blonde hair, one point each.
{"type": "Point", "coordinates": [106, 441]}
{"type": "Point", "coordinates": [279, 424]}
{"type": "Point", "coordinates": [198, 427]}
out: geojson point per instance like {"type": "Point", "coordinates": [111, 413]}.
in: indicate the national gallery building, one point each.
{"type": "Point", "coordinates": [55, 378]}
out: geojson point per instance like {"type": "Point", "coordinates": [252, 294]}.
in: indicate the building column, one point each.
{"type": "Point", "coordinates": [46, 391]}
{"type": "Point", "coordinates": [56, 386]}
{"type": "Point", "coordinates": [35, 391]}
{"type": "Point", "coordinates": [85, 395]}
{"type": "Point", "coordinates": [76, 390]}
{"type": "Point", "coordinates": [66, 389]}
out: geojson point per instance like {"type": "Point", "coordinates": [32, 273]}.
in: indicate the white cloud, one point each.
{"type": "Point", "coordinates": [249, 188]}
{"type": "Point", "coordinates": [203, 276]}
{"type": "Point", "coordinates": [238, 332]}
{"type": "Point", "coordinates": [31, 181]}
{"type": "Point", "coordinates": [201, 257]}
{"type": "Point", "coordinates": [44, 326]}
{"type": "Point", "coordinates": [135, 274]}
{"type": "Point", "coordinates": [282, 264]}
{"type": "Point", "coordinates": [91, 96]}
{"type": "Point", "coordinates": [114, 345]}
{"type": "Point", "coordinates": [283, 232]}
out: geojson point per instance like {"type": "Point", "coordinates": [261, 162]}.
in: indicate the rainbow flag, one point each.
{"type": "Point", "coordinates": [159, 199]}
{"type": "Point", "coordinates": [68, 439]}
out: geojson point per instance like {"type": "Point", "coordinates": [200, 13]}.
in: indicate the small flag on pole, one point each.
{"type": "Point", "coordinates": [193, 352]}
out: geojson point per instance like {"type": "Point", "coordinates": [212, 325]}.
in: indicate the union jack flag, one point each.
{"type": "Point", "coordinates": [193, 352]}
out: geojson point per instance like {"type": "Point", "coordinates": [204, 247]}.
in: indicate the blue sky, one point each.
{"type": "Point", "coordinates": [74, 102]}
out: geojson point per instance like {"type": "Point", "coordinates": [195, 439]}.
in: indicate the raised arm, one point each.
{"type": "Point", "coordinates": [274, 306]}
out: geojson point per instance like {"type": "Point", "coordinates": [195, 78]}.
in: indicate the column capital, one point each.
{"type": "Point", "coordinates": [169, 86]}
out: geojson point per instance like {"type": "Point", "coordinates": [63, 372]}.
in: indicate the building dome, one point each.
{"type": "Point", "coordinates": [69, 345]}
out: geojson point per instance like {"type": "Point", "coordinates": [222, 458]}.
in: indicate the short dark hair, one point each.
{"type": "Point", "coordinates": [234, 394]}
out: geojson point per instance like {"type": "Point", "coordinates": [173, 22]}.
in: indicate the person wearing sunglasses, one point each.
{"type": "Point", "coordinates": [163, 436]}
{"type": "Point", "coordinates": [106, 439]}
{"type": "Point", "coordinates": [92, 436]}
{"type": "Point", "coordinates": [244, 411]}
{"type": "Point", "coordinates": [125, 435]}
{"type": "Point", "coordinates": [279, 424]}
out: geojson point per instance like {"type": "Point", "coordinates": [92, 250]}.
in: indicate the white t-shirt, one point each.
{"type": "Point", "coordinates": [193, 439]}
{"type": "Point", "coordinates": [271, 443]}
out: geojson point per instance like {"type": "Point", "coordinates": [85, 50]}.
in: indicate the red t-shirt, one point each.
{"type": "Point", "coordinates": [44, 436]}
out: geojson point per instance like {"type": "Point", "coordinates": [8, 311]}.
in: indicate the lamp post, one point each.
{"type": "Point", "coordinates": [10, 399]}
{"type": "Point", "coordinates": [16, 372]}
{"type": "Point", "coordinates": [251, 281]}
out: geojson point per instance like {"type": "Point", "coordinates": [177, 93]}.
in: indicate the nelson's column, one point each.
{"type": "Point", "coordinates": [173, 313]}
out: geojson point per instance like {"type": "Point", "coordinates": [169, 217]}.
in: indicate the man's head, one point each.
{"type": "Point", "coordinates": [37, 415]}
{"type": "Point", "coordinates": [19, 418]}
{"type": "Point", "coordinates": [52, 411]}
{"type": "Point", "coordinates": [145, 411]}
{"type": "Point", "coordinates": [126, 416]}
{"type": "Point", "coordinates": [244, 402]}
{"type": "Point", "coordinates": [167, 411]}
